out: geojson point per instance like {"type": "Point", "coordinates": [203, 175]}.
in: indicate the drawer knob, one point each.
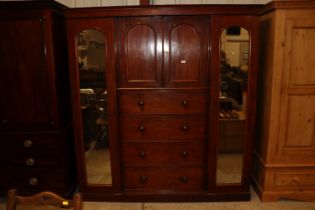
{"type": "Point", "coordinates": [28, 143]}
{"type": "Point", "coordinates": [184, 154]}
{"type": "Point", "coordinates": [184, 179]}
{"type": "Point", "coordinates": [185, 127]}
{"type": "Point", "coordinates": [296, 180]}
{"type": "Point", "coordinates": [141, 128]}
{"type": "Point", "coordinates": [142, 154]}
{"type": "Point", "coordinates": [141, 103]}
{"type": "Point", "coordinates": [184, 103]}
{"type": "Point", "coordinates": [33, 181]}
{"type": "Point", "coordinates": [30, 162]}
{"type": "Point", "coordinates": [144, 179]}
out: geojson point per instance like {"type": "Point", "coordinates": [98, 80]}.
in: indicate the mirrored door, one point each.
{"type": "Point", "coordinates": [233, 106]}
{"type": "Point", "coordinates": [91, 51]}
{"type": "Point", "coordinates": [234, 54]}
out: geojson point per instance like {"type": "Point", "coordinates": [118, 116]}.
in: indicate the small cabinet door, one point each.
{"type": "Point", "coordinates": [24, 75]}
{"type": "Point", "coordinates": [163, 52]}
{"type": "Point", "coordinates": [186, 60]}
{"type": "Point", "coordinates": [140, 52]}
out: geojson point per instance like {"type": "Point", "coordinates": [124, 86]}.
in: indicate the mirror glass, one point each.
{"type": "Point", "coordinates": [93, 97]}
{"type": "Point", "coordinates": [234, 55]}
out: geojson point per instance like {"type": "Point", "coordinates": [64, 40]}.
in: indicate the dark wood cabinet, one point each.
{"type": "Point", "coordinates": [151, 88]}
{"type": "Point", "coordinates": [36, 150]}
{"type": "Point", "coordinates": [164, 80]}
{"type": "Point", "coordinates": [163, 76]}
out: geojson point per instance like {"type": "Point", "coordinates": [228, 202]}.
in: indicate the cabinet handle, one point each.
{"type": "Point", "coordinates": [184, 103]}
{"type": "Point", "coordinates": [184, 179]}
{"type": "Point", "coordinates": [144, 179]}
{"type": "Point", "coordinates": [28, 143]}
{"type": "Point", "coordinates": [4, 122]}
{"type": "Point", "coordinates": [33, 181]}
{"type": "Point", "coordinates": [142, 154]}
{"type": "Point", "coordinates": [185, 127]}
{"type": "Point", "coordinates": [296, 180]}
{"type": "Point", "coordinates": [141, 103]}
{"type": "Point", "coordinates": [141, 128]}
{"type": "Point", "coordinates": [184, 154]}
{"type": "Point", "coordinates": [30, 162]}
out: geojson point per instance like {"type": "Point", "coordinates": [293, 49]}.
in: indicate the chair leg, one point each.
{"type": "Point", "coordinates": [11, 199]}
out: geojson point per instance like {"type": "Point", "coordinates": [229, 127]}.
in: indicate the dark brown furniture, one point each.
{"type": "Point", "coordinates": [45, 199]}
{"type": "Point", "coordinates": [36, 152]}
{"type": "Point", "coordinates": [162, 78]}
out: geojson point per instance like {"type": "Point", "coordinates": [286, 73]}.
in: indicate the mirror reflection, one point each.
{"type": "Point", "coordinates": [93, 97]}
{"type": "Point", "coordinates": [234, 55]}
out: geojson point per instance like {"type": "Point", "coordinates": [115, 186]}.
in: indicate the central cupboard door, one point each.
{"type": "Point", "coordinates": [163, 51]}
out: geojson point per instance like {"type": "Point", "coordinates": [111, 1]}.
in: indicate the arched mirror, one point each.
{"type": "Point", "coordinates": [91, 50]}
{"type": "Point", "coordinates": [234, 60]}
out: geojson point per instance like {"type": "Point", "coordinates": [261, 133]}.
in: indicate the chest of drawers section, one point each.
{"type": "Point", "coordinates": [162, 139]}
{"type": "Point", "coordinates": [36, 161]}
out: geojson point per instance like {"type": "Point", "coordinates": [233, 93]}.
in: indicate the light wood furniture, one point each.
{"type": "Point", "coordinates": [285, 147]}
{"type": "Point", "coordinates": [45, 199]}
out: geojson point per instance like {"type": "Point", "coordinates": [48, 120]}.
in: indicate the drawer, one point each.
{"type": "Point", "coordinates": [162, 102]}
{"type": "Point", "coordinates": [33, 179]}
{"type": "Point", "coordinates": [232, 127]}
{"type": "Point", "coordinates": [31, 160]}
{"type": "Point", "coordinates": [166, 128]}
{"type": "Point", "coordinates": [142, 154]}
{"type": "Point", "coordinates": [39, 143]}
{"type": "Point", "coordinates": [163, 178]}
{"type": "Point", "coordinates": [295, 179]}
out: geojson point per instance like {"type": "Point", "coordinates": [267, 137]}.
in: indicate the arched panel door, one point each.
{"type": "Point", "coordinates": [140, 51]}
{"type": "Point", "coordinates": [233, 92]}
{"type": "Point", "coordinates": [93, 92]}
{"type": "Point", "coordinates": [186, 43]}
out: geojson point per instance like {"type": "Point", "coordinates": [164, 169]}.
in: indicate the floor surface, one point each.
{"type": "Point", "coordinates": [253, 204]}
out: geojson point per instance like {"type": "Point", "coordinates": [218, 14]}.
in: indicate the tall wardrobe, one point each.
{"type": "Point", "coordinates": [158, 103]}
{"type": "Point", "coordinates": [163, 101]}
{"type": "Point", "coordinates": [285, 138]}
{"type": "Point", "coordinates": [36, 151]}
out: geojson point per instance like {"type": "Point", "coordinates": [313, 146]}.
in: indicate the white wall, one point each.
{"type": "Point", "coordinates": [104, 3]}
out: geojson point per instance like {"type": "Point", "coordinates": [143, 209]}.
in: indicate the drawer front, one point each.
{"type": "Point", "coordinates": [163, 178]}
{"type": "Point", "coordinates": [167, 128]}
{"type": "Point", "coordinates": [162, 154]}
{"type": "Point", "coordinates": [24, 143]}
{"type": "Point", "coordinates": [33, 179]}
{"type": "Point", "coordinates": [232, 127]}
{"type": "Point", "coordinates": [294, 179]}
{"type": "Point", "coordinates": [31, 160]}
{"type": "Point", "coordinates": [162, 102]}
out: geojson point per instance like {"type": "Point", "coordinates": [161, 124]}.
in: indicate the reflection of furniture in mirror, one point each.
{"type": "Point", "coordinates": [232, 116]}
{"type": "Point", "coordinates": [234, 100]}
{"type": "Point", "coordinates": [285, 149]}
{"type": "Point", "coordinates": [163, 126]}
{"type": "Point", "coordinates": [93, 94]}
{"type": "Point", "coordinates": [36, 151]}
